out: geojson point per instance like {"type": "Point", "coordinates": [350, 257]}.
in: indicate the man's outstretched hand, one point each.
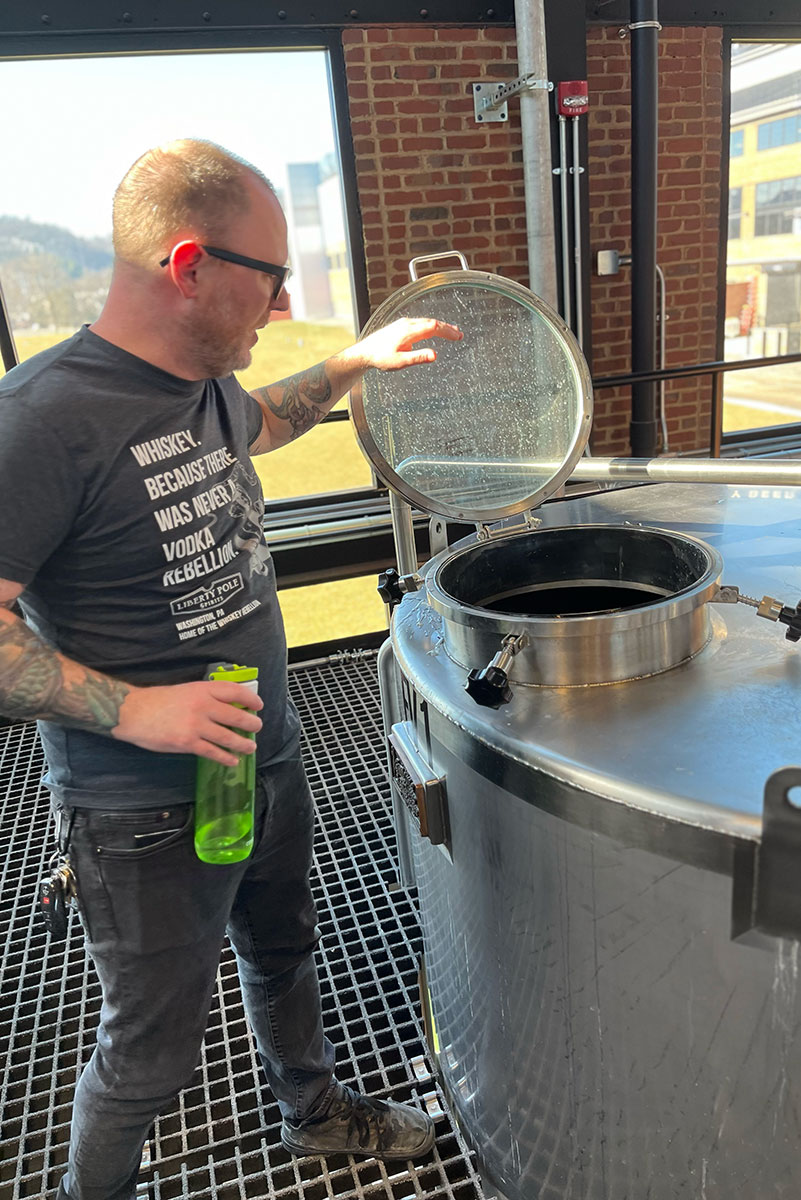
{"type": "Point", "coordinates": [395, 346]}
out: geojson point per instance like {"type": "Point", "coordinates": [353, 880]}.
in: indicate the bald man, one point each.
{"type": "Point", "coordinates": [132, 543]}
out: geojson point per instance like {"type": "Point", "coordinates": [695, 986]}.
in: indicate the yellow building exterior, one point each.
{"type": "Point", "coordinates": [763, 278]}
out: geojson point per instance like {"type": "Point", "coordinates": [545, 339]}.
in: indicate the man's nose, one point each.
{"type": "Point", "coordinates": [282, 303]}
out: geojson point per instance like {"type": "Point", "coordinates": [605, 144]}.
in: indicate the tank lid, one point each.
{"type": "Point", "coordinates": [498, 422]}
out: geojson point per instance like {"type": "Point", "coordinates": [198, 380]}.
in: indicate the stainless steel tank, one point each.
{"type": "Point", "coordinates": [592, 754]}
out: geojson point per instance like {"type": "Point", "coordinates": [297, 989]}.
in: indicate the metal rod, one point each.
{"type": "Point", "coordinates": [403, 531]}
{"type": "Point", "coordinates": [574, 121]}
{"type": "Point", "coordinates": [588, 470]}
{"type": "Point", "coordinates": [291, 533]}
{"type": "Point", "coordinates": [392, 711]}
{"type": "Point", "coordinates": [644, 130]}
{"type": "Point", "coordinates": [567, 313]}
{"type": "Point", "coordinates": [709, 368]}
{"type": "Point", "coordinates": [660, 276]}
{"type": "Point", "coordinates": [537, 168]}
{"type": "Point", "coordinates": [690, 470]}
{"type": "Point", "coordinates": [716, 415]}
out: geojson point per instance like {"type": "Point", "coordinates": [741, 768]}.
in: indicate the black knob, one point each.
{"type": "Point", "coordinates": [791, 617]}
{"type": "Point", "coordinates": [389, 588]}
{"type": "Point", "coordinates": [489, 687]}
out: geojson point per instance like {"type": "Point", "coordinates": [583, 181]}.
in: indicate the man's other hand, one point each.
{"type": "Point", "coordinates": [191, 718]}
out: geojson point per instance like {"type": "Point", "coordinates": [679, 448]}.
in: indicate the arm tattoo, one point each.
{"type": "Point", "coordinates": [32, 685]}
{"type": "Point", "coordinates": [300, 397]}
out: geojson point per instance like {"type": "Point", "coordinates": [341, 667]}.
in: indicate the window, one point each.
{"type": "Point", "coordinates": [778, 207]}
{"type": "Point", "coordinates": [763, 258]}
{"type": "Point", "coordinates": [783, 132]}
{"type": "Point", "coordinates": [735, 212]}
{"type": "Point", "coordinates": [55, 211]}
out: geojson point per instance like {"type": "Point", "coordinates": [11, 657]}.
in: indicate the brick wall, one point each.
{"type": "Point", "coordinates": [429, 178]}
{"type": "Point", "coordinates": [690, 83]}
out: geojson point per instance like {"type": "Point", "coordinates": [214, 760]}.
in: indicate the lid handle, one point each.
{"type": "Point", "coordinates": [422, 258]}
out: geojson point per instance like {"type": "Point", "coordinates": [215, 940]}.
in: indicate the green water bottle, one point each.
{"type": "Point", "coordinates": [224, 795]}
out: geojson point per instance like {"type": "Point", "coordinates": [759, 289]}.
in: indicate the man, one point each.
{"type": "Point", "coordinates": [131, 538]}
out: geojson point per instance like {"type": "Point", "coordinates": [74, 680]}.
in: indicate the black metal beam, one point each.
{"type": "Point", "coordinates": [644, 29]}
{"type": "Point", "coordinates": [692, 370]}
{"type": "Point", "coordinates": [705, 12]}
{"type": "Point", "coordinates": [20, 17]}
{"type": "Point", "coordinates": [8, 350]}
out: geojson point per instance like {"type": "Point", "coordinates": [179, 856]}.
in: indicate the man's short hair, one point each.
{"type": "Point", "coordinates": [186, 188]}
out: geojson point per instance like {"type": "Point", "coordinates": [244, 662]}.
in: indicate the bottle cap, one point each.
{"type": "Point", "coordinates": [232, 673]}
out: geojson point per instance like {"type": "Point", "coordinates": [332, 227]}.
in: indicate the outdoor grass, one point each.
{"type": "Point", "coordinates": [326, 459]}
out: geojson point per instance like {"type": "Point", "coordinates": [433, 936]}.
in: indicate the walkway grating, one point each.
{"type": "Point", "coordinates": [221, 1137]}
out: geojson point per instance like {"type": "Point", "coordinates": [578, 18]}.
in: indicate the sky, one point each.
{"type": "Point", "coordinates": [79, 123]}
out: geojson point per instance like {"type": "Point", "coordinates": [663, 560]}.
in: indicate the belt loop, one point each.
{"type": "Point", "coordinates": [63, 843]}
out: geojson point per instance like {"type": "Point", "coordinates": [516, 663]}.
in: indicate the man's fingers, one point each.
{"type": "Point", "coordinates": [419, 328]}
{"type": "Point", "coordinates": [235, 718]}
{"type": "Point", "coordinates": [235, 693]}
{"type": "Point", "coordinates": [225, 737]}
{"type": "Point", "coordinates": [207, 749]}
{"type": "Point", "coordinates": [452, 332]}
{"type": "Point", "coordinates": [411, 358]}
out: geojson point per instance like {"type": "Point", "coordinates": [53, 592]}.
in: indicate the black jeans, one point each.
{"type": "Point", "coordinates": [155, 917]}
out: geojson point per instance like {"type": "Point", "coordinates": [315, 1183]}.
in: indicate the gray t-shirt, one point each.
{"type": "Point", "coordinates": [132, 515]}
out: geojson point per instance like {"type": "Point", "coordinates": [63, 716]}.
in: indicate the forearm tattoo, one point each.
{"type": "Point", "coordinates": [33, 685]}
{"type": "Point", "coordinates": [304, 399]}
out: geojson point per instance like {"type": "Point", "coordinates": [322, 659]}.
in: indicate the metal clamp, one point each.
{"type": "Point", "coordinates": [489, 99]}
{"type": "Point", "coordinates": [767, 607]}
{"type": "Point", "coordinates": [624, 32]}
{"type": "Point", "coordinates": [489, 686]}
{"type": "Point", "coordinates": [392, 587]}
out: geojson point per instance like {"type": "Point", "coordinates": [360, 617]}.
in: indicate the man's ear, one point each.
{"type": "Point", "coordinates": [182, 266]}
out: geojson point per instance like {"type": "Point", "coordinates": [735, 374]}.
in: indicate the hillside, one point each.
{"type": "Point", "coordinates": [51, 278]}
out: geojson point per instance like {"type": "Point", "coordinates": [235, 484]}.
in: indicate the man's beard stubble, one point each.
{"type": "Point", "coordinates": [215, 342]}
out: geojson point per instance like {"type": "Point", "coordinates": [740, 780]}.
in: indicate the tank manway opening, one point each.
{"type": "Point", "coordinates": [578, 571]}
{"type": "Point", "coordinates": [586, 603]}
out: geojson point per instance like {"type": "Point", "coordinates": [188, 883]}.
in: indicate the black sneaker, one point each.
{"type": "Point", "coordinates": [355, 1124]}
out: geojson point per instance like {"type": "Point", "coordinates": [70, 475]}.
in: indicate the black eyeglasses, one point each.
{"type": "Point", "coordinates": [280, 274]}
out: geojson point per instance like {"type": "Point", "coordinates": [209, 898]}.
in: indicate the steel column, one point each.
{"type": "Point", "coordinates": [644, 129]}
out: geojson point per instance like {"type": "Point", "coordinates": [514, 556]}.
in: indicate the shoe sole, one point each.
{"type": "Point", "coordinates": [358, 1152]}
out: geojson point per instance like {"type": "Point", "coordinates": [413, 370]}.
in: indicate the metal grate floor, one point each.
{"type": "Point", "coordinates": [221, 1137]}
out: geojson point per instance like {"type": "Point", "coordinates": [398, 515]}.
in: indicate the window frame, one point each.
{"type": "Point", "coordinates": [735, 213]}
{"type": "Point", "coordinates": [749, 439]}
{"type": "Point", "coordinates": [61, 44]}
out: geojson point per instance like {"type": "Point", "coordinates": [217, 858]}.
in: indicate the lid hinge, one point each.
{"type": "Point", "coordinates": [485, 533]}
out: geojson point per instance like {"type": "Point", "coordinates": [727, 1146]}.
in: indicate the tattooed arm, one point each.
{"type": "Point", "coordinates": [294, 405]}
{"type": "Point", "coordinates": [37, 682]}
